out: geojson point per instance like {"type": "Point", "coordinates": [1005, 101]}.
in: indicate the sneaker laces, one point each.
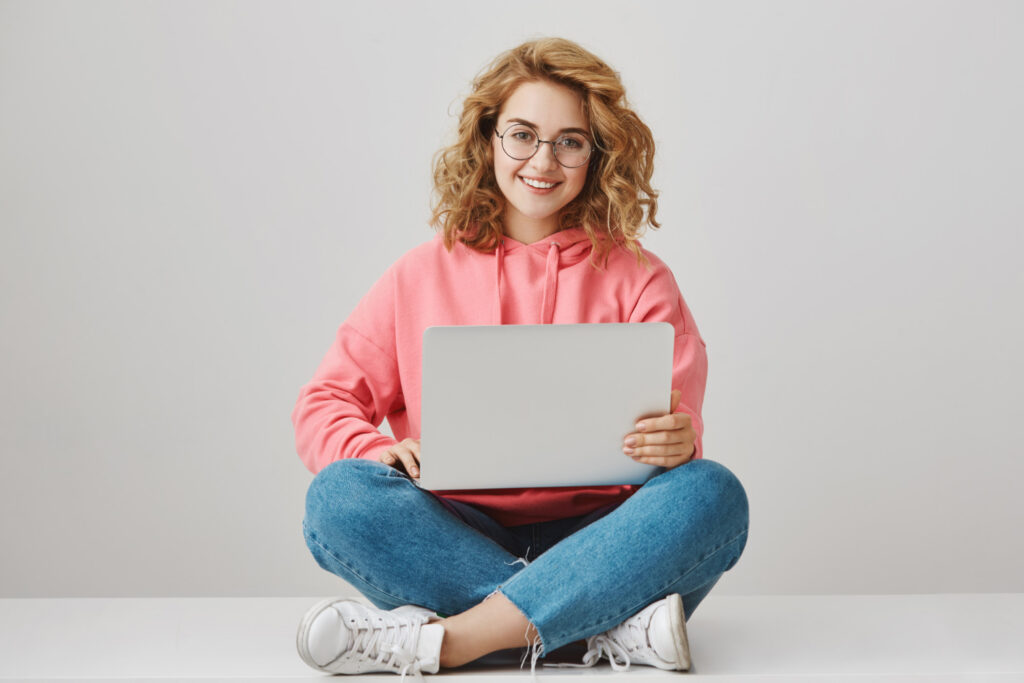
{"type": "Point", "coordinates": [377, 637]}
{"type": "Point", "coordinates": [604, 644]}
{"type": "Point", "coordinates": [409, 662]}
{"type": "Point", "coordinates": [616, 644]}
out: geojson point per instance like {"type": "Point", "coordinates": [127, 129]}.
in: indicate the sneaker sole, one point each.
{"type": "Point", "coordinates": [302, 637]}
{"type": "Point", "coordinates": [680, 642]}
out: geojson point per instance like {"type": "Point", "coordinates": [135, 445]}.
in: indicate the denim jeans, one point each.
{"type": "Point", "coordinates": [572, 578]}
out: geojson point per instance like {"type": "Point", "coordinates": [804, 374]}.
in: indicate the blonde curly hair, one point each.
{"type": "Point", "coordinates": [617, 198]}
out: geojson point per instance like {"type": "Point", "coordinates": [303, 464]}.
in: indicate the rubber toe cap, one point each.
{"type": "Point", "coordinates": [328, 637]}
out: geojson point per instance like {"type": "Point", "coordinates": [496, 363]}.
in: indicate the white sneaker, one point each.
{"type": "Point", "coordinates": [347, 637]}
{"type": "Point", "coordinates": [655, 636]}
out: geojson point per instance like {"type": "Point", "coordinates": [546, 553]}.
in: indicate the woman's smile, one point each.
{"type": "Point", "coordinates": [539, 185]}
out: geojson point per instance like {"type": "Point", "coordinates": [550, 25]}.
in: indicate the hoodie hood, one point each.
{"type": "Point", "coordinates": [560, 250]}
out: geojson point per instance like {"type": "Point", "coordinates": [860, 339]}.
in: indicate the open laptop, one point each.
{"type": "Point", "coordinates": [517, 406]}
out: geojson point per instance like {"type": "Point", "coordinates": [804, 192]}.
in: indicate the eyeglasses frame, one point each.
{"type": "Point", "coordinates": [554, 150]}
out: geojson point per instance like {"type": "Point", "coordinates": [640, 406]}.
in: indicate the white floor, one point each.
{"type": "Point", "coordinates": [840, 639]}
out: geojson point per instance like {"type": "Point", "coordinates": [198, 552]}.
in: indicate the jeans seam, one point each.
{"type": "Point", "coordinates": [634, 610]}
{"type": "Point", "coordinates": [311, 535]}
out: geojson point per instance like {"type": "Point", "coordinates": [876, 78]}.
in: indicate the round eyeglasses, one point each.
{"type": "Point", "coordinates": [521, 142]}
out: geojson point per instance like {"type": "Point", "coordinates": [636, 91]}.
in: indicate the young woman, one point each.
{"type": "Point", "coordinates": [541, 201]}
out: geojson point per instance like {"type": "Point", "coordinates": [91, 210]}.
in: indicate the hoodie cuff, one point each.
{"type": "Point", "coordinates": [378, 449]}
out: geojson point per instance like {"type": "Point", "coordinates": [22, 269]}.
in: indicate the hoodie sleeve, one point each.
{"type": "Point", "coordinates": [356, 386]}
{"type": "Point", "coordinates": [661, 301]}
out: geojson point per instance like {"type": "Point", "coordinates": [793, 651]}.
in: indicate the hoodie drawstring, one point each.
{"type": "Point", "coordinates": [499, 260]}
{"type": "Point", "coordinates": [547, 306]}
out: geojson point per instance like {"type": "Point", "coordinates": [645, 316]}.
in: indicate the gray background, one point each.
{"type": "Point", "coordinates": [193, 196]}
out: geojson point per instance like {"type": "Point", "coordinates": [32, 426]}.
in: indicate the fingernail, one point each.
{"type": "Point", "coordinates": [640, 426]}
{"type": "Point", "coordinates": [631, 441]}
{"type": "Point", "coordinates": [415, 472]}
{"type": "Point", "coordinates": [627, 451]}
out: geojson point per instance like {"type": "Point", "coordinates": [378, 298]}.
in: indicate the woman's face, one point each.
{"type": "Point", "coordinates": [538, 188]}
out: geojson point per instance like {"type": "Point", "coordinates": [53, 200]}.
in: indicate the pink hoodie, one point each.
{"type": "Point", "coordinates": [372, 371]}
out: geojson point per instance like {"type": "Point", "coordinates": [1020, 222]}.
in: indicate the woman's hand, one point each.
{"type": "Point", "coordinates": [406, 452]}
{"type": "Point", "coordinates": [666, 441]}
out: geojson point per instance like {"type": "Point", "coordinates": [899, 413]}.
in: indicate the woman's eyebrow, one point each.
{"type": "Point", "coordinates": [564, 130]}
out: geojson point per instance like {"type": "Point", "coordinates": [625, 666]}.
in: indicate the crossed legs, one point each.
{"type": "Point", "coordinates": [399, 545]}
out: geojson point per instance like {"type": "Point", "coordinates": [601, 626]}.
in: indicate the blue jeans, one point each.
{"type": "Point", "coordinates": [572, 578]}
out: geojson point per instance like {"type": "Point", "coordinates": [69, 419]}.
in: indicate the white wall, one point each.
{"type": "Point", "coordinates": [194, 195]}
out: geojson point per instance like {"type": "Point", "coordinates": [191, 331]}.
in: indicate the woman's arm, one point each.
{"type": "Point", "coordinates": [661, 301]}
{"type": "Point", "coordinates": [355, 387]}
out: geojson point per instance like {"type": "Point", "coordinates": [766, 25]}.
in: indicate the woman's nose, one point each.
{"type": "Point", "coordinates": [545, 156]}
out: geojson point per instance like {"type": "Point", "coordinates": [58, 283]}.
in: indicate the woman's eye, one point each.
{"type": "Point", "coordinates": [522, 135]}
{"type": "Point", "coordinates": [570, 143]}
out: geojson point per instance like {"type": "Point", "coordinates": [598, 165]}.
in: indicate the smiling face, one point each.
{"type": "Point", "coordinates": [538, 188]}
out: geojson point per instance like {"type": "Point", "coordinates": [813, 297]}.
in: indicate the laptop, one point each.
{"type": "Point", "coordinates": [521, 406]}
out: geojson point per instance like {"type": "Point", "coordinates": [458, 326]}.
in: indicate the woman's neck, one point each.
{"type": "Point", "coordinates": [528, 230]}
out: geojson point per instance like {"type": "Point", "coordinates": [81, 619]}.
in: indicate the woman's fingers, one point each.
{"type": "Point", "coordinates": [664, 423]}
{"type": "Point", "coordinates": [410, 462]}
{"type": "Point", "coordinates": [666, 443]}
{"type": "Point", "coordinates": [408, 453]}
{"type": "Point", "coordinates": [669, 450]}
{"type": "Point", "coordinates": [638, 440]}
{"type": "Point", "coordinates": [414, 447]}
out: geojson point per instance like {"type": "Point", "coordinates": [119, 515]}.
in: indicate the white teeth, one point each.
{"type": "Point", "coordinates": [538, 184]}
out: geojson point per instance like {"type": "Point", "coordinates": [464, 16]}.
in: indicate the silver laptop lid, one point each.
{"type": "Point", "coordinates": [516, 406]}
